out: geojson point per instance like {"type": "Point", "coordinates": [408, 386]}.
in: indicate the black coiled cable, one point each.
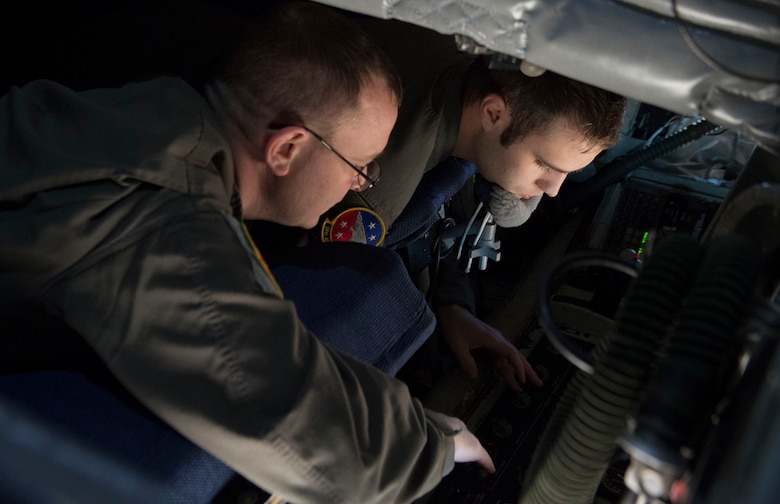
{"type": "Point", "coordinates": [577, 194]}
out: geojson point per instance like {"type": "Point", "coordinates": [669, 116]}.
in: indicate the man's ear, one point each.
{"type": "Point", "coordinates": [281, 147]}
{"type": "Point", "coordinates": [494, 112]}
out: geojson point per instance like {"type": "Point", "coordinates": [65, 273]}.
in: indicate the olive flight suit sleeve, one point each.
{"type": "Point", "coordinates": [114, 217]}
{"type": "Point", "coordinates": [181, 323]}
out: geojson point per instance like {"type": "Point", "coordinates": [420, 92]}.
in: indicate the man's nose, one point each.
{"type": "Point", "coordinates": [552, 184]}
{"type": "Point", "coordinates": [356, 183]}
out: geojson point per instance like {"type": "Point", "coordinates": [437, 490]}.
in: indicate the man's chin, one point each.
{"type": "Point", "coordinates": [309, 225]}
{"type": "Point", "coordinates": [301, 223]}
{"type": "Point", "coordinates": [510, 210]}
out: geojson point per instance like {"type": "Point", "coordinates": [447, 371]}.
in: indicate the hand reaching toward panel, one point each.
{"type": "Point", "coordinates": [468, 448]}
{"type": "Point", "coordinates": [464, 332]}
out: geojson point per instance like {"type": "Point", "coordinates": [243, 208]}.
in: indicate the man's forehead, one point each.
{"type": "Point", "coordinates": [365, 131]}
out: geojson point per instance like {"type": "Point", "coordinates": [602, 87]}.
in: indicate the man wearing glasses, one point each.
{"type": "Point", "coordinates": [523, 135]}
{"type": "Point", "coordinates": [121, 215]}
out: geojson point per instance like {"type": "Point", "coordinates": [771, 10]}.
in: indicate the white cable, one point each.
{"type": "Point", "coordinates": [466, 231]}
{"type": "Point", "coordinates": [485, 220]}
{"type": "Point", "coordinates": [660, 130]}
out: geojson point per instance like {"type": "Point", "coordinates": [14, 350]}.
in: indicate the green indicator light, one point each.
{"type": "Point", "coordinates": [641, 249]}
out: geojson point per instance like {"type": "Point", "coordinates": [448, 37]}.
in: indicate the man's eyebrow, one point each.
{"type": "Point", "coordinates": [378, 155]}
{"type": "Point", "coordinates": [553, 168]}
{"type": "Point", "coordinates": [360, 163]}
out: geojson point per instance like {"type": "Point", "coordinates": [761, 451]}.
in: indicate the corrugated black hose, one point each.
{"type": "Point", "coordinates": [702, 355]}
{"type": "Point", "coordinates": [581, 438]}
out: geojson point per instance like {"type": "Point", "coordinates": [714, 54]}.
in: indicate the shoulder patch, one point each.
{"type": "Point", "coordinates": [358, 225]}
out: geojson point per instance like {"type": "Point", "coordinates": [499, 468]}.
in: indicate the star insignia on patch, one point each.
{"type": "Point", "coordinates": [357, 225]}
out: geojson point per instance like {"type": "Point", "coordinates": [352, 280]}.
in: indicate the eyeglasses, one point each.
{"type": "Point", "coordinates": [369, 174]}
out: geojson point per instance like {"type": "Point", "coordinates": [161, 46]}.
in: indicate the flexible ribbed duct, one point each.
{"type": "Point", "coordinates": [701, 355]}
{"type": "Point", "coordinates": [581, 438]}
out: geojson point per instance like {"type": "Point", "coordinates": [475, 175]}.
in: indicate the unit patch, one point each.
{"type": "Point", "coordinates": [358, 225]}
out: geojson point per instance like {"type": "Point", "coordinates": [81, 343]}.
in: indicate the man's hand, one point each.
{"type": "Point", "coordinates": [467, 446]}
{"type": "Point", "coordinates": [464, 332]}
